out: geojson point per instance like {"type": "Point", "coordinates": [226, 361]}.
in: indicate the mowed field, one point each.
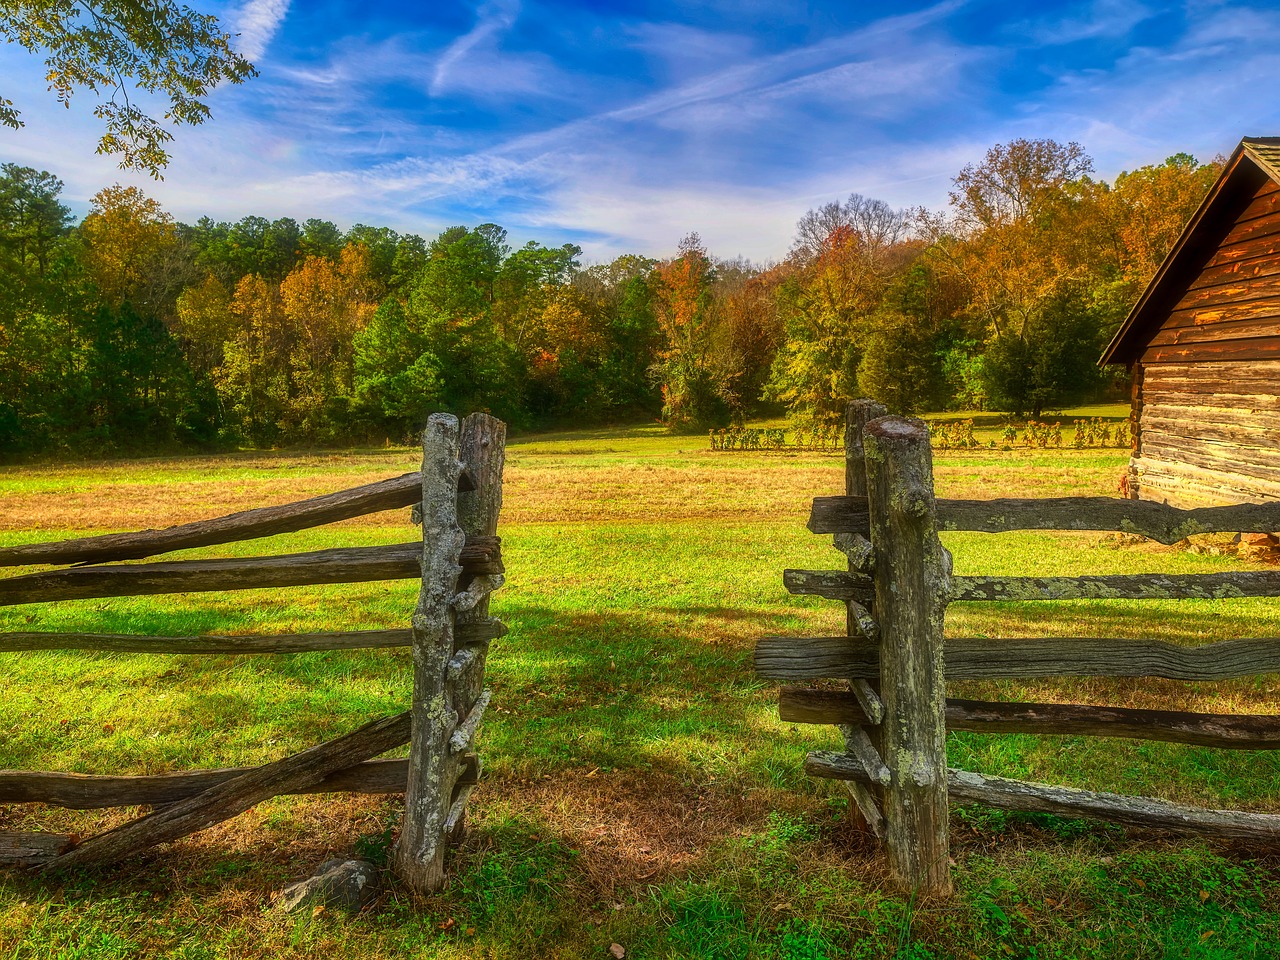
{"type": "Point", "coordinates": [639, 788]}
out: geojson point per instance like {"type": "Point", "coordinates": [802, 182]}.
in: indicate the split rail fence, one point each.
{"type": "Point", "coordinates": [894, 712]}
{"type": "Point", "coordinates": [457, 497]}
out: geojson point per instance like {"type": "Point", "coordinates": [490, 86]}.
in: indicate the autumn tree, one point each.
{"type": "Point", "coordinates": [873, 225]}
{"type": "Point", "coordinates": [325, 303]}
{"type": "Point", "coordinates": [134, 253]}
{"type": "Point", "coordinates": [565, 347]}
{"type": "Point", "coordinates": [1150, 207]}
{"type": "Point", "coordinates": [526, 284]}
{"type": "Point", "coordinates": [684, 308]}
{"type": "Point", "coordinates": [1013, 215]}
{"type": "Point", "coordinates": [253, 379]}
{"type": "Point", "coordinates": [205, 323]}
{"type": "Point", "coordinates": [826, 308]}
{"type": "Point", "coordinates": [748, 334]}
{"type": "Point", "coordinates": [1029, 237]}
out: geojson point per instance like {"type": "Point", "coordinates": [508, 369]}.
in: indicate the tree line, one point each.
{"type": "Point", "coordinates": [129, 331]}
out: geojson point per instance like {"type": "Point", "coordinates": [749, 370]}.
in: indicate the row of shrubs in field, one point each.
{"type": "Point", "coordinates": [949, 435]}
{"type": "Point", "coordinates": [750, 438]}
{"type": "Point", "coordinates": [1086, 434]}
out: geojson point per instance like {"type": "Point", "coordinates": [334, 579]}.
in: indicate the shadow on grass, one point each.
{"type": "Point", "coordinates": [638, 788]}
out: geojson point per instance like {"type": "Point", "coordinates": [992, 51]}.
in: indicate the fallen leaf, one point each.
{"type": "Point", "coordinates": [447, 925]}
{"type": "Point", "coordinates": [618, 950]}
{"type": "Point", "coordinates": [1204, 895]}
{"type": "Point", "coordinates": [108, 728]}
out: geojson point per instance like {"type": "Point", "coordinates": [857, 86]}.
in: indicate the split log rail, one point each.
{"type": "Point", "coordinates": [893, 710]}
{"type": "Point", "coordinates": [457, 496]}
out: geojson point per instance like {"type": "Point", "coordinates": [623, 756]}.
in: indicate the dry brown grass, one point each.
{"type": "Point", "coordinates": [537, 489]}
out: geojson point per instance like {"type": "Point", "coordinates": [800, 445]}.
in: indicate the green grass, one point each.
{"type": "Point", "coordinates": [639, 786]}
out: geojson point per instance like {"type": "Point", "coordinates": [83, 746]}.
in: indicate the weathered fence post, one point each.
{"type": "Point", "coordinates": [867, 800]}
{"type": "Point", "coordinates": [419, 855]}
{"type": "Point", "coordinates": [449, 645]}
{"type": "Point", "coordinates": [911, 584]}
{"type": "Point", "coordinates": [483, 452]}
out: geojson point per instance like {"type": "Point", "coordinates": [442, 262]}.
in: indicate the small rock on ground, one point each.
{"type": "Point", "coordinates": [352, 884]}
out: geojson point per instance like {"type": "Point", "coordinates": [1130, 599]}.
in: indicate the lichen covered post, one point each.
{"type": "Point", "coordinates": [419, 854]}
{"type": "Point", "coordinates": [911, 575]}
{"type": "Point", "coordinates": [483, 452]}
{"type": "Point", "coordinates": [867, 810]}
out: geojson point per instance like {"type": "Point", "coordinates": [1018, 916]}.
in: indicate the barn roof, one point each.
{"type": "Point", "coordinates": [1256, 159]}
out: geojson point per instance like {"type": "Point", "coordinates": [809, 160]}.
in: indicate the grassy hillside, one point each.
{"type": "Point", "coordinates": [639, 787]}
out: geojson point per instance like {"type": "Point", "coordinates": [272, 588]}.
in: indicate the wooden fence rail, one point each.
{"type": "Point", "coordinates": [472, 633]}
{"type": "Point", "coordinates": [1157, 521]}
{"type": "Point", "coordinates": [981, 658]}
{"type": "Point", "coordinates": [403, 491]}
{"type": "Point", "coordinates": [78, 791]}
{"type": "Point", "coordinates": [838, 585]}
{"type": "Point", "coordinates": [1222, 730]}
{"type": "Point", "coordinates": [893, 657]}
{"type": "Point", "coordinates": [459, 567]}
{"type": "Point", "coordinates": [400, 561]}
{"type": "Point", "coordinates": [1019, 795]}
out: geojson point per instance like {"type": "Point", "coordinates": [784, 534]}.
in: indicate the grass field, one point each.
{"type": "Point", "coordinates": [639, 787]}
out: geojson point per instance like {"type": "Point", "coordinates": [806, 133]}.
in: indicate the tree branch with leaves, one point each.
{"type": "Point", "coordinates": [118, 48]}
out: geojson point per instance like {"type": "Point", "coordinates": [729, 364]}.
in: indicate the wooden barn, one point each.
{"type": "Point", "coordinates": [1203, 343]}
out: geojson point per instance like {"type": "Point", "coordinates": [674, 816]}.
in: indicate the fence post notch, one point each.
{"type": "Point", "coordinates": [912, 573]}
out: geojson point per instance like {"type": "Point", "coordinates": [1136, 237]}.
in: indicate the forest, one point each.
{"type": "Point", "coordinates": [131, 332]}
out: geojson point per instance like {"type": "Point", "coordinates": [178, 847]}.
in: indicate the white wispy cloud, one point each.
{"type": "Point", "coordinates": [492, 19]}
{"type": "Point", "coordinates": [1101, 18]}
{"type": "Point", "coordinates": [1198, 94]}
{"type": "Point", "coordinates": [723, 130]}
{"type": "Point", "coordinates": [257, 22]}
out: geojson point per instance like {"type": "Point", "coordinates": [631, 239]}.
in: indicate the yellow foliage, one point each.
{"type": "Point", "coordinates": [205, 322]}
{"type": "Point", "coordinates": [132, 248]}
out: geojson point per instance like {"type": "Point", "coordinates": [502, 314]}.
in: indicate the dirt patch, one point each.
{"type": "Point", "coordinates": [632, 829]}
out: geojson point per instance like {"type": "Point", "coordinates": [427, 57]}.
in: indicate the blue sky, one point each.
{"type": "Point", "coordinates": [622, 126]}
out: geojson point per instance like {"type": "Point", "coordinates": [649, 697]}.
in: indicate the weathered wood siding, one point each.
{"type": "Point", "coordinates": [1207, 386]}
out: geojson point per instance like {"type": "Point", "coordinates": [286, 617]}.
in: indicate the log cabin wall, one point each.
{"type": "Point", "coordinates": [1207, 433]}
{"type": "Point", "coordinates": [1204, 347]}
